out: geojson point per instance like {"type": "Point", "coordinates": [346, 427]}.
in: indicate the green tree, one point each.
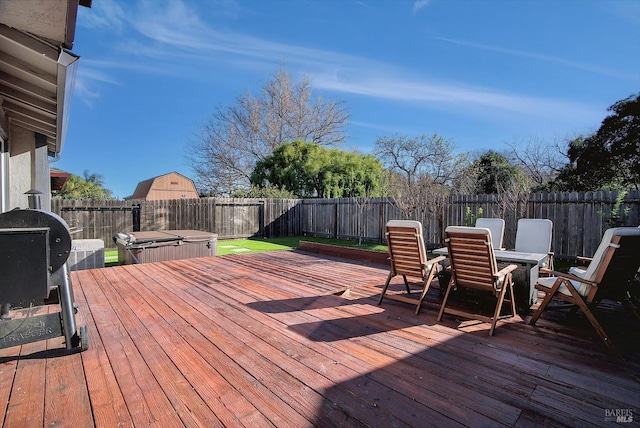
{"type": "Point", "coordinates": [310, 170]}
{"type": "Point", "coordinates": [618, 216]}
{"type": "Point", "coordinates": [494, 173]}
{"type": "Point", "coordinates": [610, 158]}
{"type": "Point", "coordinates": [91, 187]}
{"type": "Point", "coordinates": [268, 191]}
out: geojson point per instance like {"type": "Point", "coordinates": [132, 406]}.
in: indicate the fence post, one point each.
{"type": "Point", "coordinates": [262, 214]}
{"type": "Point", "coordinates": [135, 214]}
{"type": "Point", "coordinates": [381, 224]}
{"type": "Point", "coordinates": [335, 219]}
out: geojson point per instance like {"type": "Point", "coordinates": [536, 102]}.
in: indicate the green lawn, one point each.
{"type": "Point", "coordinates": [255, 245]}
{"type": "Point", "coordinates": [110, 258]}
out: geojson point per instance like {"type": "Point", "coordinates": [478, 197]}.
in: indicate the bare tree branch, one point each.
{"type": "Point", "coordinates": [540, 161]}
{"type": "Point", "coordinates": [237, 136]}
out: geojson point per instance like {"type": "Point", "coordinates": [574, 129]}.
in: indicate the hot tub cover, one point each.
{"type": "Point", "coordinates": [151, 238]}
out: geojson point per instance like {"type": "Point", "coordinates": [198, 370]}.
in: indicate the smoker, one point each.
{"type": "Point", "coordinates": [34, 247]}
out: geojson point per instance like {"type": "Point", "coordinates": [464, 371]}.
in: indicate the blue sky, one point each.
{"type": "Point", "coordinates": [477, 72]}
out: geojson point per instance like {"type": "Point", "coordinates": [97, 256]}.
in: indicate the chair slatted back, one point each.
{"type": "Point", "coordinates": [472, 259]}
{"type": "Point", "coordinates": [405, 244]}
{"type": "Point", "coordinates": [619, 264]}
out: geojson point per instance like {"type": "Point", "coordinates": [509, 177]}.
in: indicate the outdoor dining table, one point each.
{"type": "Point", "coordinates": [532, 263]}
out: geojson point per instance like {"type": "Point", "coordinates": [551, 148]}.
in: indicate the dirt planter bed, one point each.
{"type": "Point", "coordinates": [358, 254]}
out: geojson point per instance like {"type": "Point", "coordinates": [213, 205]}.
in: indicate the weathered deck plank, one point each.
{"type": "Point", "coordinates": [144, 397]}
{"type": "Point", "coordinates": [66, 400]}
{"type": "Point", "coordinates": [27, 403]}
{"type": "Point", "coordinates": [273, 339]}
{"type": "Point", "coordinates": [270, 365]}
{"type": "Point", "coordinates": [150, 336]}
{"type": "Point", "coordinates": [309, 377]}
{"type": "Point", "coordinates": [221, 349]}
{"type": "Point", "coordinates": [108, 405]}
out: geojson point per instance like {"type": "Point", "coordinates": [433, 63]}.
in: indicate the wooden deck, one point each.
{"type": "Point", "coordinates": [270, 339]}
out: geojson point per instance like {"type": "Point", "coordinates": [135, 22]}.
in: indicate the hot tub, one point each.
{"type": "Point", "coordinates": [157, 246]}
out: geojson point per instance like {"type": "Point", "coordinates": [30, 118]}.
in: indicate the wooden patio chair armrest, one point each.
{"type": "Point", "coordinates": [436, 260]}
{"type": "Point", "coordinates": [569, 276]}
{"type": "Point", "coordinates": [506, 270]}
{"type": "Point", "coordinates": [584, 259]}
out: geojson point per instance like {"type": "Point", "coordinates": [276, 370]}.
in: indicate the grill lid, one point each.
{"type": "Point", "coordinates": [59, 234]}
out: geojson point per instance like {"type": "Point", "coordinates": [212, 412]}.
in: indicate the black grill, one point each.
{"type": "Point", "coordinates": [34, 248]}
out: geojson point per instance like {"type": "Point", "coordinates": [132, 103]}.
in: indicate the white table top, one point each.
{"type": "Point", "coordinates": [508, 256]}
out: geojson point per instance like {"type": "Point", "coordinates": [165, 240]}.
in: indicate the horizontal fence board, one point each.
{"type": "Point", "coordinates": [578, 217]}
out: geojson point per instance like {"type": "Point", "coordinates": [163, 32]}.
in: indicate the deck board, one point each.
{"type": "Point", "coordinates": [27, 403]}
{"type": "Point", "coordinates": [297, 339]}
{"type": "Point", "coordinates": [108, 405]}
{"type": "Point", "coordinates": [231, 343]}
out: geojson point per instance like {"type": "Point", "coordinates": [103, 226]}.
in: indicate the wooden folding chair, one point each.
{"type": "Point", "coordinates": [473, 266]}
{"type": "Point", "coordinates": [608, 276]}
{"type": "Point", "coordinates": [407, 257]}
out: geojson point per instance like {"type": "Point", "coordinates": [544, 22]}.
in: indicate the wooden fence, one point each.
{"type": "Point", "coordinates": [229, 218]}
{"type": "Point", "coordinates": [579, 219]}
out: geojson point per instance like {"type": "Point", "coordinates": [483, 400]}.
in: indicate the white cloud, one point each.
{"type": "Point", "coordinates": [545, 58]}
{"type": "Point", "coordinates": [419, 4]}
{"type": "Point", "coordinates": [94, 70]}
{"type": "Point", "coordinates": [628, 11]}
{"type": "Point", "coordinates": [84, 93]}
{"type": "Point", "coordinates": [104, 15]}
{"type": "Point", "coordinates": [176, 39]}
{"type": "Point", "coordinates": [451, 95]}
{"type": "Point", "coordinates": [88, 74]}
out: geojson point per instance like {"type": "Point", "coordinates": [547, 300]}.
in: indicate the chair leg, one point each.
{"type": "Point", "coordinates": [444, 301]}
{"type": "Point", "coordinates": [581, 304]}
{"type": "Point", "coordinates": [545, 301]}
{"type": "Point", "coordinates": [592, 319]}
{"type": "Point", "coordinates": [628, 303]}
{"type": "Point", "coordinates": [510, 298]}
{"type": "Point", "coordinates": [386, 285]}
{"type": "Point", "coordinates": [496, 313]}
{"type": "Point", "coordinates": [427, 283]}
{"type": "Point", "coordinates": [425, 288]}
{"type": "Point", "coordinates": [573, 310]}
{"type": "Point", "coordinates": [584, 307]}
{"type": "Point", "coordinates": [406, 284]}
